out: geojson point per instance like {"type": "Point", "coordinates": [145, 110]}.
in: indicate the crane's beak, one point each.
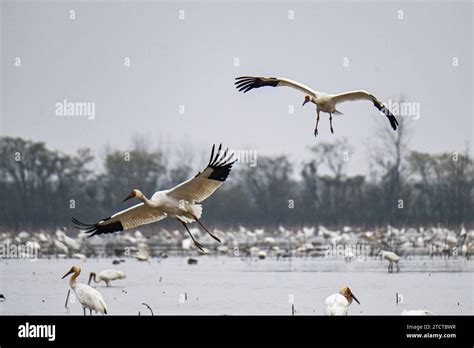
{"type": "Point", "coordinates": [127, 198]}
{"type": "Point", "coordinates": [68, 273]}
{"type": "Point", "coordinates": [352, 295]}
{"type": "Point", "coordinates": [305, 101]}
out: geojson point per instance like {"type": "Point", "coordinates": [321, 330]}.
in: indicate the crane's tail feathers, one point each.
{"type": "Point", "coordinates": [197, 210]}
{"type": "Point", "coordinates": [337, 112]}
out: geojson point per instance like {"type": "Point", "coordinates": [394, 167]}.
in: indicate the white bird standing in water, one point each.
{"type": "Point", "coordinates": [88, 297]}
{"type": "Point", "coordinates": [106, 276]}
{"type": "Point", "coordinates": [324, 102]}
{"type": "Point", "coordinates": [337, 304]}
{"type": "Point", "coordinates": [178, 202]}
{"type": "Point", "coordinates": [392, 258]}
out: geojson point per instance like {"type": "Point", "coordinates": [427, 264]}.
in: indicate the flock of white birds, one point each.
{"type": "Point", "coordinates": [277, 242]}
{"type": "Point", "coordinates": [391, 244]}
{"type": "Point", "coordinates": [182, 203]}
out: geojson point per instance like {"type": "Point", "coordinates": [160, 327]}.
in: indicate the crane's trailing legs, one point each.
{"type": "Point", "coordinates": [196, 243]}
{"type": "Point", "coordinates": [317, 122]}
{"type": "Point", "coordinates": [204, 227]}
{"type": "Point", "coordinates": [330, 123]}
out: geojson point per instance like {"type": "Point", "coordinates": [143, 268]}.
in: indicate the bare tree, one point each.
{"type": "Point", "coordinates": [388, 154]}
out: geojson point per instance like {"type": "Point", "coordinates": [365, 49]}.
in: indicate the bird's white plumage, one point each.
{"type": "Point", "coordinates": [89, 297]}
{"type": "Point", "coordinates": [138, 215]}
{"type": "Point", "coordinates": [336, 304]}
{"type": "Point", "coordinates": [111, 274]}
{"type": "Point", "coordinates": [390, 256]}
{"type": "Point", "coordinates": [353, 96]}
{"type": "Point", "coordinates": [178, 202]}
{"type": "Point", "coordinates": [296, 85]}
{"type": "Point", "coordinates": [324, 102]}
{"type": "Point", "coordinates": [196, 189]}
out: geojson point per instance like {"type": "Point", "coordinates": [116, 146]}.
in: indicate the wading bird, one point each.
{"type": "Point", "coordinates": [392, 258]}
{"type": "Point", "coordinates": [88, 297]}
{"type": "Point", "coordinates": [324, 102]}
{"type": "Point", "coordinates": [106, 276]}
{"type": "Point", "coordinates": [337, 304]}
{"type": "Point", "coordinates": [178, 202]}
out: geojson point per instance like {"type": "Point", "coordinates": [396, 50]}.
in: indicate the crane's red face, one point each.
{"type": "Point", "coordinates": [307, 99]}
{"type": "Point", "coordinates": [132, 194]}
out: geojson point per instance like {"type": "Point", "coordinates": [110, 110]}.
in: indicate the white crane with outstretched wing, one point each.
{"type": "Point", "coordinates": [179, 202]}
{"type": "Point", "coordinates": [324, 102]}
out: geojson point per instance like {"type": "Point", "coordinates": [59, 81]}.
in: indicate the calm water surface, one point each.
{"type": "Point", "coordinates": [227, 285]}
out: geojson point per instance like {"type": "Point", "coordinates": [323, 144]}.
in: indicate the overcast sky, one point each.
{"type": "Point", "coordinates": [421, 51]}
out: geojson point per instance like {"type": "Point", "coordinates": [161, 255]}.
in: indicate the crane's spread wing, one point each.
{"type": "Point", "coordinates": [137, 215]}
{"type": "Point", "coordinates": [363, 95]}
{"type": "Point", "coordinates": [205, 183]}
{"type": "Point", "coordinates": [246, 83]}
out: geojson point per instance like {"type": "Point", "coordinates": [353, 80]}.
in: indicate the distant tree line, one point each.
{"type": "Point", "coordinates": [43, 188]}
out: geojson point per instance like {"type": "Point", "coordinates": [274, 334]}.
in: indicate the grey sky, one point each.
{"type": "Point", "coordinates": [190, 62]}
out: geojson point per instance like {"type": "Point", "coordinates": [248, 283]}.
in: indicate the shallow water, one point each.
{"type": "Point", "coordinates": [227, 285]}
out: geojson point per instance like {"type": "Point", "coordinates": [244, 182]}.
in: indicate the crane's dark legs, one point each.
{"type": "Point", "coordinates": [84, 308]}
{"type": "Point", "coordinates": [196, 243]}
{"type": "Point", "coordinates": [204, 227]}
{"type": "Point", "coordinates": [317, 122]}
{"type": "Point", "coordinates": [330, 123]}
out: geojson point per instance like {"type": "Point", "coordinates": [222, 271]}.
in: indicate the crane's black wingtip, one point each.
{"type": "Point", "coordinates": [393, 122]}
{"type": "Point", "coordinates": [103, 226]}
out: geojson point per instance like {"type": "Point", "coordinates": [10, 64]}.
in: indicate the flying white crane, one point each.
{"type": "Point", "coordinates": [178, 202]}
{"type": "Point", "coordinates": [392, 259]}
{"type": "Point", "coordinates": [107, 276]}
{"type": "Point", "coordinates": [324, 102]}
{"type": "Point", "coordinates": [89, 297]}
{"type": "Point", "coordinates": [337, 304]}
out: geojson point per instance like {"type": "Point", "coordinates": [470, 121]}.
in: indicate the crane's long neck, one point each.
{"type": "Point", "coordinates": [72, 281]}
{"type": "Point", "coordinates": [148, 202]}
{"type": "Point", "coordinates": [144, 200]}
